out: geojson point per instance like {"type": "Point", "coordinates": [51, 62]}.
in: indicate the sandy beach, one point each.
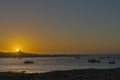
{"type": "Point", "coordinates": [82, 74]}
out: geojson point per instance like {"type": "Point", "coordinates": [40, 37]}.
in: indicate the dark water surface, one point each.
{"type": "Point", "coordinates": [45, 64]}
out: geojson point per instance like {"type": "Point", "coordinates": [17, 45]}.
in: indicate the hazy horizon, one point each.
{"type": "Point", "coordinates": [55, 26]}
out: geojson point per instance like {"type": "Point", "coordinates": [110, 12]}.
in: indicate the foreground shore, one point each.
{"type": "Point", "coordinates": [82, 74]}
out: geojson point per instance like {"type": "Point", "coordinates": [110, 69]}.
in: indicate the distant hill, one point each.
{"type": "Point", "coordinates": [22, 55]}
{"type": "Point", "coordinates": [17, 54]}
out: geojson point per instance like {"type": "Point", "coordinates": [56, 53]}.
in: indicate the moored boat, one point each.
{"type": "Point", "coordinates": [28, 62]}
{"type": "Point", "coordinates": [111, 62]}
{"type": "Point", "coordinates": [93, 61]}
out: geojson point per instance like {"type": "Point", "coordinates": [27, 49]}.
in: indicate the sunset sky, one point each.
{"type": "Point", "coordinates": [55, 26]}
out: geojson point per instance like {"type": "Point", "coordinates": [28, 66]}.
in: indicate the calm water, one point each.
{"type": "Point", "coordinates": [46, 64]}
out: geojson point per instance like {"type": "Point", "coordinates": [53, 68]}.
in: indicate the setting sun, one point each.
{"type": "Point", "coordinates": [17, 50]}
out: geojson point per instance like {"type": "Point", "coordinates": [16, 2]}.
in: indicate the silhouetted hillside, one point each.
{"type": "Point", "coordinates": [22, 55]}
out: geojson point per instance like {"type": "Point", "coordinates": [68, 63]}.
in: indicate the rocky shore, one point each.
{"type": "Point", "coordinates": [82, 74]}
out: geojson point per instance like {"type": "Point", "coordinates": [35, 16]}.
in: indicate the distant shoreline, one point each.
{"type": "Point", "coordinates": [81, 74]}
{"type": "Point", "coordinates": [29, 55]}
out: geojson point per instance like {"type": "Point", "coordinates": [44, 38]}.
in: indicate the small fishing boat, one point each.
{"type": "Point", "coordinates": [94, 61]}
{"type": "Point", "coordinates": [111, 62]}
{"type": "Point", "coordinates": [28, 62]}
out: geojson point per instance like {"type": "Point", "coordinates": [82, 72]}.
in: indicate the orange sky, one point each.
{"type": "Point", "coordinates": [60, 26]}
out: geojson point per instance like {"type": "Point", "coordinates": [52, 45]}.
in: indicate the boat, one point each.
{"type": "Point", "coordinates": [94, 61]}
{"type": "Point", "coordinates": [28, 62]}
{"type": "Point", "coordinates": [111, 62]}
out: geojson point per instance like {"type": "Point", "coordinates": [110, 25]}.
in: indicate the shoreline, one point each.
{"type": "Point", "coordinates": [79, 74]}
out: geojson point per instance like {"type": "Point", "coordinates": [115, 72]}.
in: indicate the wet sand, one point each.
{"type": "Point", "coordinates": [82, 74]}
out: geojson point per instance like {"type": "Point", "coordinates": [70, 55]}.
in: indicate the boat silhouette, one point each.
{"type": "Point", "coordinates": [28, 62]}
{"type": "Point", "coordinates": [111, 62]}
{"type": "Point", "coordinates": [94, 61]}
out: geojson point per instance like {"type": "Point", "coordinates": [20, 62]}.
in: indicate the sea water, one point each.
{"type": "Point", "coordinates": [46, 64]}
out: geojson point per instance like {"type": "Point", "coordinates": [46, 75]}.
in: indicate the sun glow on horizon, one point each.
{"type": "Point", "coordinates": [17, 50]}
